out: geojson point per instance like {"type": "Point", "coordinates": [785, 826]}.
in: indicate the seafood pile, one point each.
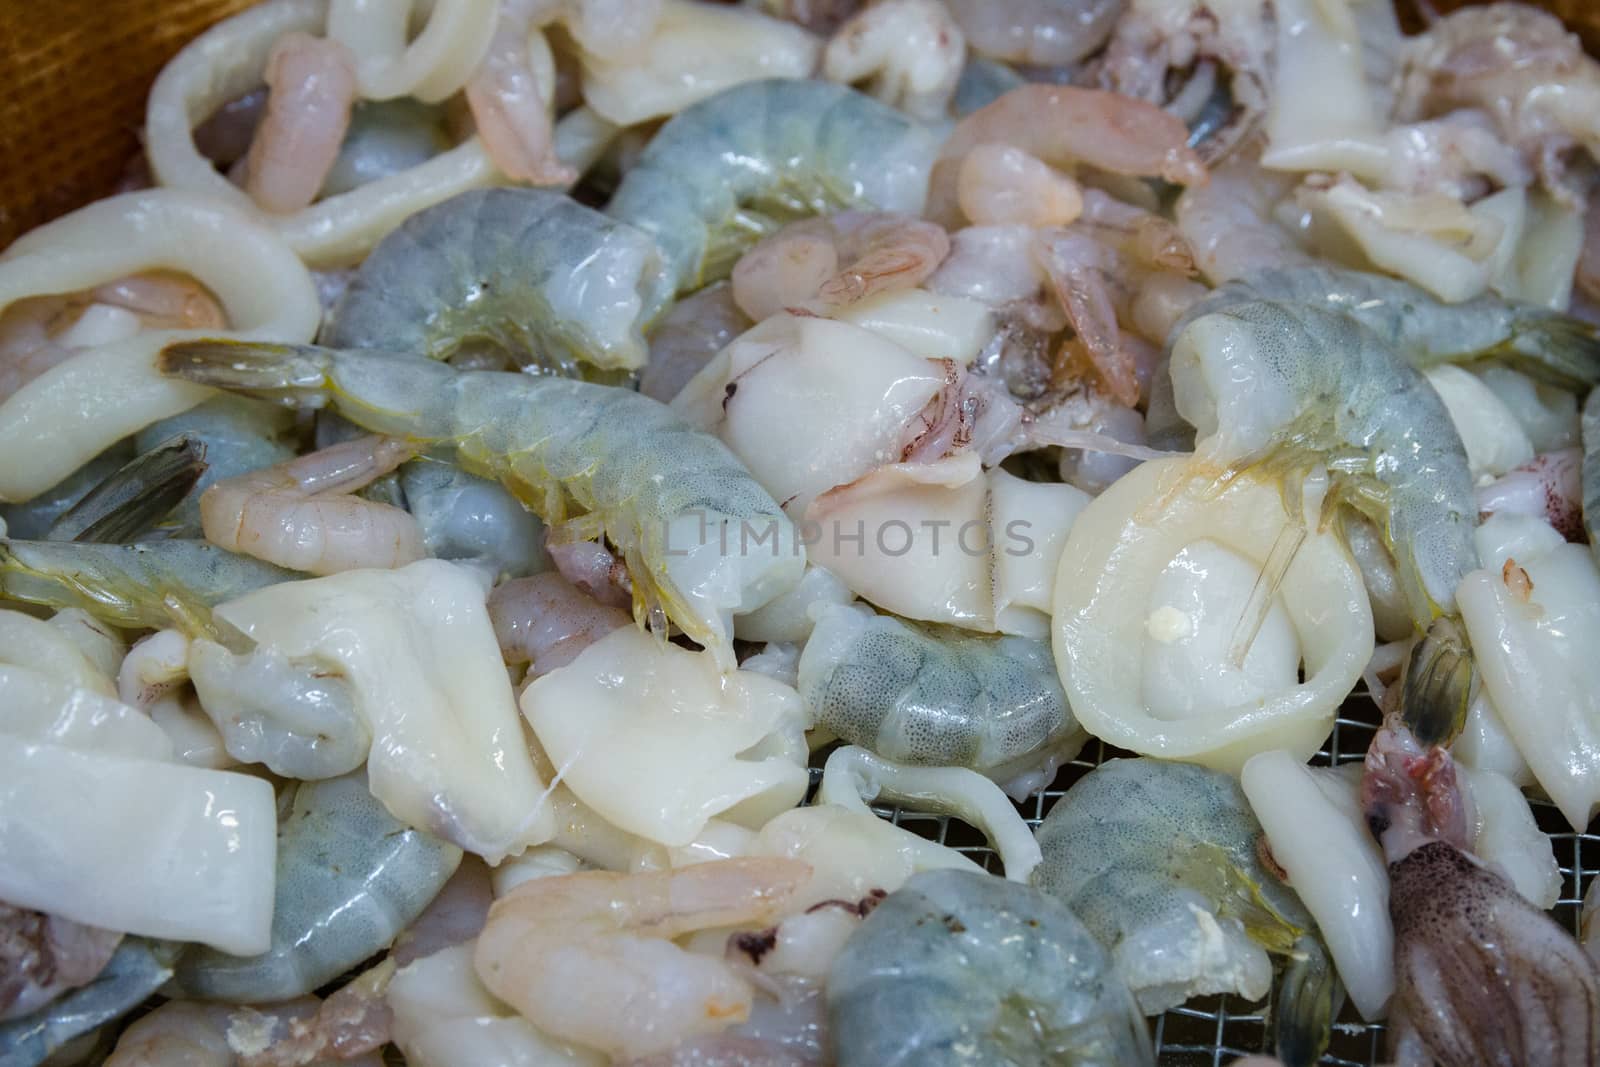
{"type": "Point", "coordinates": [510, 494]}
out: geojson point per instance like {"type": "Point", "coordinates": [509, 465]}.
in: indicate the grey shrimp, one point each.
{"type": "Point", "coordinates": [702, 539]}
{"type": "Point", "coordinates": [936, 696]}
{"type": "Point", "coordinates": [738, 165]}
{"type": "Point", "coordinates": [944, 971]}
{"type": "Point", "coordinates": [350, 878]}
{"type": "Point", "coordinates": [525, 275]}
{"type": "Point", "coordinates": [1546, 345]}
{"type": "Point", "coordinates": [1162, 862]}
{"type": "Point", "coordinates": [1290, 386]}
{"type": "Point", "coordinates": [137, 969]}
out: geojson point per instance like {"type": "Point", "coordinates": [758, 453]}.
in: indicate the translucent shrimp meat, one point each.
{"type": "Point", "coordinates": [1000, 184]}
{"type": "Point", "coordinates": [564, 950]}
{"type": "Point", "coordinates": [66, 416]}
{"type": "Point", "coordinates": [695, 51]}
{"type": "Point", "coordinates": [527, 274]}
{"type": "Point", "coordinates": [1530, 613]}
{"type": "Point", "coordinates": [350, 878]}
{"type": "Point", "coordinates": [444, 1017]}
{"type": "Point", "coordinates": [936, 697]}
{"type": "Point", "coordinates": [226, 62]}
{"type": "Point", "coordinates": [512, 99]}
{"type": "Point", "coordinates": [739, 164]}
{"type": "Point", "coordinates": [1162, 863]}
{"type": "Point", "coordinates": [658, 741]}
{"type": "Point", "coordinates": [546, 622]}
{"type": "Point", "coordinates": [1064, 126]}
{"type": "Point", "coordinates": [948, 542]}
{"type": "Point", "coordinates": [1156, 576]}
{"type": "Point", "coordinates": [694, 330]}
{"type": "Point", "coordinates": [943, 970]}
{"type": "Point", "coordinates": [1037, 33]}
{"type": "Point", "coordinates": [472, 520]}
{"type": "Point", "coordinates": [311, 89]}
{"type": "Point", "coordinates": [188, 850]}
{"type": "Point", "coordinates": [700, 546]}
{"type": "Point", "coordinates": [302, 514]}
{"type": "Point", "coordinates": [418, 653]}
{"type": "Point", "coordinates": [830, 263]}
{"type": "Point", "coordinates": [910, 53]}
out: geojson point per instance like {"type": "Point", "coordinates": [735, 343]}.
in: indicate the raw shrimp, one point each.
{"type": "Point", "coordinates": [303, 515]}
{"type": "Point", "coordinates": [1037, 33]}
{"type": "Point", "coordinates": [510, 95]}
{"type": "Point", "coordinates": [1213, 52]}
{"type": "Point", "coordinates": [957, 967]}
{"type": "Point", "coordinates": [566, 951]}
{"type": "Point", "coordinates": [136, 496]}
{"type": "Point", "coordinates": [909, 52]}
{"type": "Point", "coordinates": [695, 329]}
{"type": "Point", "coordinates": [584, 457]}
{"type": "Point", "coordinates": [835, 261]}
{"type": "Point", "coordinates": [545, 622]}
{"type": "Point", "coordinates": [1546, 345]}
{"type": "Point", "coordinates": [350, 878]}
{"type": "Point", "coordinates": [936, 696]}
{"type": "Point", "coordinates": [311, 83]}
{"type": "Point", "coordinates": [1065, 126]}
{"type": "Point", "coordinates": [137, 969]}
{"type": "Point", "coordinates": [43, 956]}
{"type": "Point", "coordinates": [1591, 470]}
{"type": "Point", "coordinates": [738, 165]}
{"type": "Point", "coordinates": [472, 520]}
{"type": "Point", "coordinates": [135, 586]}
{"type": "Point", "coordinates": [32, 519]}
{"type": "Point", "coordinates": [1295, 385]}
{"type": "Point", "coordinates": [1481, 975]}
{"type": "Point", "coordinates": [999, 184]}
{"type": "Point", "coordinates": [527, 275]}
{"type": "Point", "coordinates": [1522, 67]}
{"type": "Point", "coordinates": [1163, 863]}
{"type": "Point", "coordinates": [1230, 225]}
{"type": "Point", "coordinates": [239, 435]}
{"type": "Point", "coordinates": [291, 1034]}
{"type": "Point", "coordinates": [163, 300]}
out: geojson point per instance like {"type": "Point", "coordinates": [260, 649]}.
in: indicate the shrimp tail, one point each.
{"type": "Point", "coordinates": [1438, 683]}
{"type": "Point", "coordinates": [135, 497]}
{"type": "Point", "coordinates": [1553, 348]}
{"type": "Point", "coordinates": [1307, 998]}
{"type": "Point", "coordinates": [295, 375]}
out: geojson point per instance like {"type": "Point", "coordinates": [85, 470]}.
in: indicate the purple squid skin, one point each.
{"type": "Point", "coordinates": [1482, 977]}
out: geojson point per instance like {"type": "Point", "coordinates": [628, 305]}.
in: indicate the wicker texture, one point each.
{"type": "Point", "coordinates": [74, 75]}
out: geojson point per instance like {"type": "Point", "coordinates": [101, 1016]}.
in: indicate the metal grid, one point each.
{"type": "Point", "coordinates": [1213, 1031]}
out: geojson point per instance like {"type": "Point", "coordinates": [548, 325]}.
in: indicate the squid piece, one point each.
{"type": "Point", "coordinates": [1533, 616]}
{"type": "Point", "coordinates": [189, 851]}
{"type": "Point", "coordinates": [948, 542]}
{"type": "Point", "coordinates": [1184, 617]}
{"type": "Point", "coordinates": [418, 652]}
{"type": "Point", "coordinates": [657, 740]}
{"type": "Point", "coordinates": [696, 51]}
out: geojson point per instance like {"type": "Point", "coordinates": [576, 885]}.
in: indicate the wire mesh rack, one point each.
{"type": "Point", "coordinates": [1214, 1031]}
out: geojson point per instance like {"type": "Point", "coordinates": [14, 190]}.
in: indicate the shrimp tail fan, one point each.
{"type": "Point", "coordinates": [291, 374]}
{"type": "Point", "coordinates": [1553, 348]}
{"type": "Point", "coordinates": [1438, 683]}
{"type": "Point", "coordinates": [136, 496]}
{"type": "Point", "coordinates": [1307, 998]}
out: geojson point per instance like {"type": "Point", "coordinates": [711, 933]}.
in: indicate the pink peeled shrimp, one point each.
{"type": "Point", "coordinates": [999, 183]}
{"type": "Point", "coordinates": [1063, 126]}
{"type": "Point", "coordinates": [509, 104]}
{"type": "Point", "coordinates": [312, 87]}
{"type": "Point", "coordinates": [545, 621]}
{"type": "Point", "coordinates": [164, 301]}
{"type": "Point", "coordinates": [799, 265]}
{"type": "Point", "coordinates": [28, 345]}
{"type": "Point", "coordinates": [298, 514]}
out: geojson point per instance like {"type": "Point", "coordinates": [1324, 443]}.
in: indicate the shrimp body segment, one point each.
{"type": "Point", "coordinates": [524, 273]}
{"type": "Point", "coordinates": [568, 952]}
{"type": "Point", "coordinates": [738, 165]}
{"type": "Point", "coordinates": [702, 539]}
{"type": "Point", "coordinates": [959, 968]}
